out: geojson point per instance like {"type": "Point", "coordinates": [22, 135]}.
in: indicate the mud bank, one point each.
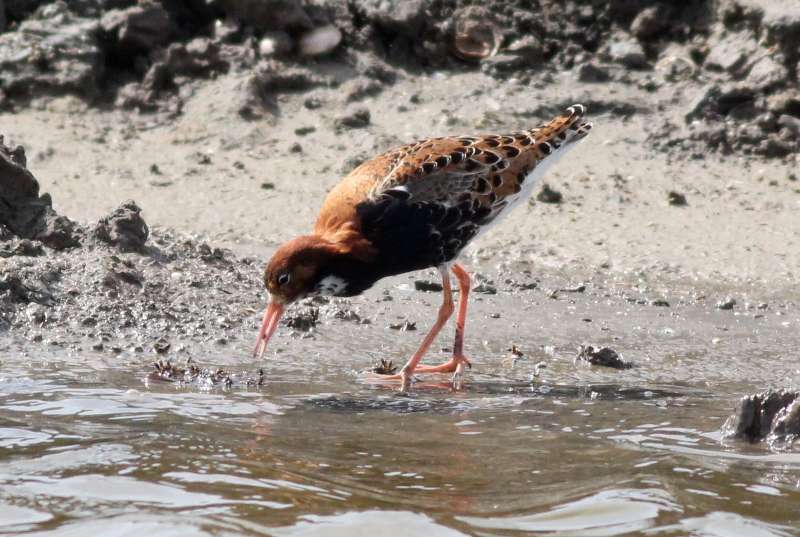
{"type": "Point", "coordinates": [740, 56]}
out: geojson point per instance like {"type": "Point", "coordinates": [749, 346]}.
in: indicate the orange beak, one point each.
{"type": "Point", "coordinates": [268, 325]}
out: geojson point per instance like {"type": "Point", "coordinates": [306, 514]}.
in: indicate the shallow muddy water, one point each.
{"type": "Point", "coordinates": [88, 446]}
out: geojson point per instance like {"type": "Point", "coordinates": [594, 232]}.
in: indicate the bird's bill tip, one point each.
{"type": "Point", "coordinates": [269, 323]}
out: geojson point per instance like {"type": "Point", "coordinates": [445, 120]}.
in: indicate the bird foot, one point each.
{"type": "Point", "coordinates": [385, 372]}
{"type": "Point", "coordinates": [450, 366]}
{"type": "Point", "coordinates": [403, 377]}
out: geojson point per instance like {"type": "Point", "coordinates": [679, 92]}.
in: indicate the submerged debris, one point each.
{"type": "Point", "coordinates": [202, 377]}
{"type": "Point", "coordinates": [515, 354]}
{"type": "Point", "coordinates": [773, 416]}
{"type": "Point", "coordinates": [605, 357]}
{"type": "Point", "coordinates": [385, 367]}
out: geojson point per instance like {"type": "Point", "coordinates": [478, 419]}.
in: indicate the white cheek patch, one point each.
{"type": "Point", "coordinates": [331, 286]}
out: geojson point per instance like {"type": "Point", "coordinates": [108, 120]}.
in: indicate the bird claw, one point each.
{"type": "Point", "coordinates": [458, 377]}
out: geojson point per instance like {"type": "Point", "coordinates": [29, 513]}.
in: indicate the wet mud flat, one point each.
{"type": "Point", "coordinates": [314, 444]}
{"type": "Point", "coordinates": [128, 395]}
{"type": "Point", "coordinates": [128, 388]}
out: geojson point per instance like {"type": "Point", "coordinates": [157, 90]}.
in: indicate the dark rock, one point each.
{"type": "Point", "coordinates": [714, 101]}
{"type": "Point", "coordinates": [427, 286]}
{"type": "Point", "coordinates": [784, 102]}
{"type": "Point", "coordinates": [628, 53]}
{"type": "Point", "coordinates": [677, 199]}
{"type": "Point", "coordinates": [485, 288]}
{"type": "Point", "coordinates": [574, 289]}
{"type": "Point", "coordinates": [731, 53]}
{"type": "Point", "coordinates": [726, 304]}
{"type": "Point", "coordinates": [592, 72]}
{"type": "Point", "coordinates": [405, 326]}
{"type": "Point", "coordinates": [15, 289]}
{"type": "Point", "coordinates": [405, 18]}
{"type": "Point", "coordinates": [783, 29]}
{"type": "Point", "coordinates": [774, 147]}
{"type": "Point", "coordinates": [766, 73]}
{"type": "Point", "coordinates": [124, 228]}
{"type": "Point", "coordinates": [161, 346]}
{"type": "Point", "coordinates": [53, 51]}
{"type": "Point", "coordinates": [268, 15]}
{"type": "Point", "coordinates": [144, 27]}
{"type": "Point", "coordinates": [529, 48]}
{"type": "Point", "coordinates": [735, 14]}
{"type": "Point", "coordinates": [359, 88]}
{"type": "Point", "coordinates": [121, 271]}
{"type": "Point", "coordinates": [356, 118]}
{"type": "Point", "coordinates": [22, 247]}
{"type": "Point", "coordinates": [771, 415]}
{"type": "Point", "coordinates": [605, 357]}
{"type": "Point", "coordinates": [791, 123]}
{"type": "Point", "coordinates": [198, 57]}
{"type": "Point", "coordinates": [503, 65]}
{"type": "Point", "coordinates": [257, 93]}
{"type": "Point", "coordinates": [649, 23]}
{"type": "Point", "coordinates": [549, 195]}
{"type": "Point", "coordinates": [26, 213]}
{"type": "Point", "coordinates": [59, 232]}
{"type": "Point", "coordinates": [20, 10]}
{"type": "Point", "coordinates": [786, 425]}
{"type": "Point", "coordinates": [302, 131]}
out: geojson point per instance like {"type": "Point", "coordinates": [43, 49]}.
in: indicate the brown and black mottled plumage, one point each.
{"type": "Point", "coordinates": [419, 205]}
{"type": "Point", "coordinates": [415, 207]}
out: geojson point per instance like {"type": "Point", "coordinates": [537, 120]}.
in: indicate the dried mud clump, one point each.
{"type": "Point", "coordinates": [773, 416]}
{"type": "Point", "coordinates": [124, 228]}
{"type": "Point", "coordinates": [112, 286]}
{"type": "Point", "coordinates": [25, 213]}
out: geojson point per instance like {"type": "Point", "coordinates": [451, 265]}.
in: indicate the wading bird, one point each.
{"type": "Point", "coordinates": [412, 208]}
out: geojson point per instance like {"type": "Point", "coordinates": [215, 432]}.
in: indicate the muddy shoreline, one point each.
{"type": "Point", "coordinates": [227, 124]}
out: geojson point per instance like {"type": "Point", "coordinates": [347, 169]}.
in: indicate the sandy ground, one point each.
{"type": "Point", "coordinates": [739, 229]}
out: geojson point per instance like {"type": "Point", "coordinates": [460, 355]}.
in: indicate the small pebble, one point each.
{"type": "Point", "coordinates": [677, 199]}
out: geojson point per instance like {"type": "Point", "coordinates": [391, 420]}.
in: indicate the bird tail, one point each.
{"type": "Point", "coordinates": [564, 130]}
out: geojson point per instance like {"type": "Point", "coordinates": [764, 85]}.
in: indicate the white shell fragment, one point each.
{"type": "Point", "coordinates": [320, 41]}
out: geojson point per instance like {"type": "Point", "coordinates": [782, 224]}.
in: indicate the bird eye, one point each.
{"type": "Point", "coordinates": [283, 279]}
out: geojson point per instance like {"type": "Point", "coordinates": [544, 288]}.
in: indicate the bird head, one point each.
{"type": "Point", "coordinates": [299, 268]}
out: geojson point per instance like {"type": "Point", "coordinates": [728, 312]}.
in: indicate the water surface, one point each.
{"type": "Point", "coordinates": [87, 446]}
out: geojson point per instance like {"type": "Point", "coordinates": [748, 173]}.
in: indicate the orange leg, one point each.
{"type": "Point", "coordinates": [457, 363]}
{"type": "Point", "coordinates": [445, 311]}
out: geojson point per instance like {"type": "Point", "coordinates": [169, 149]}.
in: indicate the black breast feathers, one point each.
{"type": "Point", "coordinates": [410, 235]}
